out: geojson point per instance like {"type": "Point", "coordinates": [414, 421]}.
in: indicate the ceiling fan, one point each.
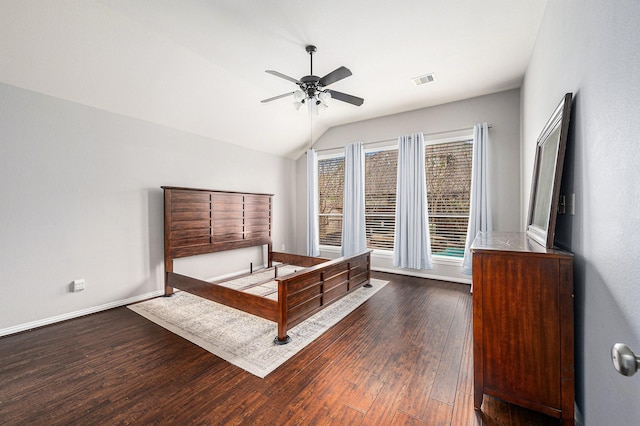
{"type": "Point", "coordinates": [312, 88]}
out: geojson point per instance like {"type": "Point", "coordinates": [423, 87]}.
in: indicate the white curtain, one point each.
{"type": "Point", "coordinates": [313, 239]}
{"type": "Point", "coordinates": [480, 205]}
{"type": "Point", "coordinates": [412, 245]}
{"type": "Point", "coordinates": [354, 239]}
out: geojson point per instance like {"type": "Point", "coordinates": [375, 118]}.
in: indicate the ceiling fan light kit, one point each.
{"type": "Point", "coordinates": [312, 89]}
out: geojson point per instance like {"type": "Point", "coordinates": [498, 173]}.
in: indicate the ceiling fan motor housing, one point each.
{"type": "Point", "coordinates": [310, 85]}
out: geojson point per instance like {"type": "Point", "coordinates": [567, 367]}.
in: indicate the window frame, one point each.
{"type": "Point", "coordinates": [465, 135]}
{"type": "Point", "coordinates": [329, 155]}
{"type": "Point", "coordinates": [459, 136]}
{"type": "Point", "coordinates": [374, 148]}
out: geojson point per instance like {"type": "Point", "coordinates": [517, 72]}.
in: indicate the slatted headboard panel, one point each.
{"type": "Point", "coordinates": [199, 221]}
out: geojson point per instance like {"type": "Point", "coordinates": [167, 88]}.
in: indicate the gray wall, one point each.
{"type": "Point", "coordinates": [591, 48]}
{"type": "Point", "coordinates": [499, 109]}
{"type": "Point", "coordinates": [81, 198]}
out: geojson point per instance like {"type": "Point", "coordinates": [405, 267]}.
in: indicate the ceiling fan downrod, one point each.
{"type": "Point", "coordinates": [310, 82]}
{"type": "Point", "coordinates": [311, 49]}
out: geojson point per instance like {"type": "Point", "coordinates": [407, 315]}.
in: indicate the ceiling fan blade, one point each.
{"type": "Point", "coordinates": [335, 75]}
{"type": "Point", "coordinates": [286, 77]}
{"type": "Point", "coordinates": [264, 101]}
{"type": "Point", "coordinates": [346, 98]}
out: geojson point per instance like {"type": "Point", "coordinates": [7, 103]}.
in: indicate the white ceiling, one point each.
{"type": "Point", "coordinates": [198, 65]}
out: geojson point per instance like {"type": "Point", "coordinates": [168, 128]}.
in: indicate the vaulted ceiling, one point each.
{"type": "Point", "coordinates": [199, 65]}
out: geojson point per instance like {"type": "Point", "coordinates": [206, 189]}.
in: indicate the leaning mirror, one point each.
{"type": "Point", "coordinates": [547, 173]}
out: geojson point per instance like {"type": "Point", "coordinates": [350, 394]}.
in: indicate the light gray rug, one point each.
{"type": "Point", "coordinates": [240, 338]}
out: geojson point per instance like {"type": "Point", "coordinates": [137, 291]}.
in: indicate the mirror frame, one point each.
{"type": "Point", "coordinates": [547, 174]}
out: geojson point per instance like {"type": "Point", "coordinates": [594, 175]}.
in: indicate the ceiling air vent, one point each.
{"type": "Point", "coordinates": [427, 78]}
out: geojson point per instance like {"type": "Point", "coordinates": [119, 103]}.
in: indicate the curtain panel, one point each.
{"type": "Point", "coordinates": [354, 238]}
{"type": "Point", "coordinates": [313, 238]}
{"type": "Point", "coordinates": [480, 202]}
{"type": "Point", "coordinates": [412, 245]}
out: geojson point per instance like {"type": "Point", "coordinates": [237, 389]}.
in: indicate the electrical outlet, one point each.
{"type": "Point", "coordinates": [77, 285]}
{"type": "Point", "coordinates": [283, 247]}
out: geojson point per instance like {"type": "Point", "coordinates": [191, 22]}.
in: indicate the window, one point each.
{"type": "Point", "coordinates": [381, 175]}
{"type": "Point", "coordinates": [448, 177]}
{"type": "Point", "coordinates": [330, 196]}
{"type": "Point", "coordinates": [448, 170]}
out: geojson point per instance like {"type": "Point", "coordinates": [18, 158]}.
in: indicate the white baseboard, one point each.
{"type": "Point", "coordinates": [51, 320]}
{"type": "Point", "coordinates": [412, 273]}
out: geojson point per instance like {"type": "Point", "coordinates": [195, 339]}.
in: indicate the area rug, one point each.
{"type": "Point", "coordinates": [240, 338]}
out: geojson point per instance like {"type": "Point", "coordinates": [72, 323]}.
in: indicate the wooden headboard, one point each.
{"type": "Point", "coordinates": [199, 221]}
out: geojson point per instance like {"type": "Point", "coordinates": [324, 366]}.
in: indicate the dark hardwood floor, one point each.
{"type": "Point", "coordinates": [404, 357]}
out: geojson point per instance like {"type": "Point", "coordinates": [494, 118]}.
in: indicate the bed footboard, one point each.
{"type": "Point", "coordinates": [306, 292]}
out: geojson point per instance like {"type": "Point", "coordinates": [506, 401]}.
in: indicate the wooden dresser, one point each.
{"type": "Point", "coordinates": [523, 324]}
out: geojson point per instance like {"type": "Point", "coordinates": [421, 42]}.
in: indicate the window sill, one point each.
{"type": "Point", "coordinates": [386, 254]}
{"type": "Point", "coordinates": [445, 268]}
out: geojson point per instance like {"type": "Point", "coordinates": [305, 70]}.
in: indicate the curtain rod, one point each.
{"type": "Point", "coordinates": [396, 139]}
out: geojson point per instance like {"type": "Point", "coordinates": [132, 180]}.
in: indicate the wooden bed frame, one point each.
{"type": "Point", "coordinates": [199, 221]}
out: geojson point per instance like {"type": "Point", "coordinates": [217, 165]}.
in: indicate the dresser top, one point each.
{"type": "Point", "coordinates": [516, 242]}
